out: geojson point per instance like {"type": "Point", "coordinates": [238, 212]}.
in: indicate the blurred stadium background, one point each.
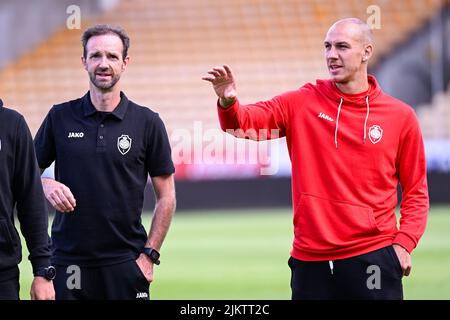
{"type": "Point", "coordinates": [232, 232]}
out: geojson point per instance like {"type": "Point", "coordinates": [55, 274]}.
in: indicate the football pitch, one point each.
{"type": "Point", "coordinates": [242, 254]}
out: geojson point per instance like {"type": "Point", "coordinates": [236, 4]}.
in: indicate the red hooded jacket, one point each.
{"type": "Point", "coordinates": [348, 154]}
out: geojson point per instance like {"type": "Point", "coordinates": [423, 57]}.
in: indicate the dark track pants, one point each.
{"type": "Point", "coordinates": [123, 281]}
{"type": "Point", "coordinates": [9, 289]}
{"type": "Point", "coordinates": [371, 276]}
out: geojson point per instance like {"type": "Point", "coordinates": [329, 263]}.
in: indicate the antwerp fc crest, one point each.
{"type": "Point", "coordinates": [375, 133]}
{"type": "Point", "coordinates": [124, 144]}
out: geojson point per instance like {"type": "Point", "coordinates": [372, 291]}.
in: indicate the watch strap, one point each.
{"type": "Point", "coordinates": [153, 254]}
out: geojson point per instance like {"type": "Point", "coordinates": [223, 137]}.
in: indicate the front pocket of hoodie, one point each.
{"type": "Point", "coordinates": [325, 224]}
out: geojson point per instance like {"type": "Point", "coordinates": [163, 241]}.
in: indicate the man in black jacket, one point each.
{"type": "Point", "coordinates": [20, 186]}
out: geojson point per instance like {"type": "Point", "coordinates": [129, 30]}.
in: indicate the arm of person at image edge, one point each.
{"type": "Point", "coordinates": [58, 194]}
{"type": "Point", "coordinates": [268, 118]}
{"type": "Point", "coordinates": [32, 212]}
{"type": "Point", "coordinates": [411, 167]}
{"type": "Point", "coordinates": [161, 170]}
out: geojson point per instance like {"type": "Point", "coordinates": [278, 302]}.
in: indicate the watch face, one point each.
{"type": "Point", "coordinates": [152, 254]}
{"type": "Point", "coordinates": [50, 273]}
{"type": "Point", "coordinates": [155, 255]}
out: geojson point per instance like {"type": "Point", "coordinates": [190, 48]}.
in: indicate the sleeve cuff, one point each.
{"type": "Point", "coordinates": [39, 263]}
{"type": "Point", "coordinates": [225, 110]}
{"type": "Point", "coordinates": [163, 172]}
{"type": "Point", "coordinates": [405, 241]}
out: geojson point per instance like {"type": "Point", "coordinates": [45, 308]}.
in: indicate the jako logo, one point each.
{"type": "Point", "coordinates": [75, 135]}
{"type": "Point", "coordinates": [141, 295]}
{"type": "Point", "coordinates": [324, 116]}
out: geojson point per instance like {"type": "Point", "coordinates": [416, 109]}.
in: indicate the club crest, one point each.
{"type": "Point", "coordinates": [375, 133]}
{"type": "Point", "coordinates": [124, 144]}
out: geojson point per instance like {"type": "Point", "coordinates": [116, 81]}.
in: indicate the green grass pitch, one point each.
{"type": "Point", "coordinates": [243, 255]}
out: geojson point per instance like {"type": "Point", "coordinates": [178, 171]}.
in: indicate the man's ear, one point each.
{"type": "Point", "coordinates": [83, 61]}
{"type": "Point", "coordinates": [368, 50]}
{"type": "Point", "coordinates": [125, 63]}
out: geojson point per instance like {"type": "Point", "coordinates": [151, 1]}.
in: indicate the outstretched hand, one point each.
{"type": "Point", "coordinates": [223, 83]}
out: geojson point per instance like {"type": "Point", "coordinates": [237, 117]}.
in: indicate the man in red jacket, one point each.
{"type": "Point", "coordinates": [350, 145]}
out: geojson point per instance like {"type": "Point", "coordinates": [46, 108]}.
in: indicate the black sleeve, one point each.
{"type": "Point", "coordinates": [158, 157]}
{"type": "Point", "coordinates": [31, 206]}
{"type": "Point", "coordinates": [44, 143]}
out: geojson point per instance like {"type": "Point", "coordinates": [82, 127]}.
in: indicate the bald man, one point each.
{"type": "Point", "coordinates": [350, 146]}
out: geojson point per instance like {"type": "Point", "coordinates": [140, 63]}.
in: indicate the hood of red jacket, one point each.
{"type": "Point", "coordinates": [359, 101]}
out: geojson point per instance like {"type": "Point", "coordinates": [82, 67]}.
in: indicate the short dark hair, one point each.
{"type": "Point", "coordinates": [102, 29]}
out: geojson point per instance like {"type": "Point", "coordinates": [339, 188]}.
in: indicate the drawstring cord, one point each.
{"type": "Point", "coordinates": [337, 123]}
{"type": "Point", "coordinates": [367, 117]}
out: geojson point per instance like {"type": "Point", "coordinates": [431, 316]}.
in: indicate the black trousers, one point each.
{"type": "Point", "coordinates": [9, 289]}
{"type": "Point", "coordinates": [376, 275]}
{"type": "Point", "coordinates": [123, 281]}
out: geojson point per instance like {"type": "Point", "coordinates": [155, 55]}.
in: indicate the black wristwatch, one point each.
{"type": "Point", "coordinates": [152, 254]}
{"type": "Point", "coordinates": [48, 273]}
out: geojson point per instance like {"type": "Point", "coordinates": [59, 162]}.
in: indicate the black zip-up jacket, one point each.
{"type": "Point", "coordinates": [20, 187]}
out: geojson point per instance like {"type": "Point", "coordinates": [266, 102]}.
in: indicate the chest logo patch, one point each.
{"type": "Point", "coordinates": [375, 133]}
{"type": "Point", "coordinates": [325, 116]}
{"type": "Point", "coordinates": [124, 144]}
{"type": "Point", "coordinates": [75, 135]}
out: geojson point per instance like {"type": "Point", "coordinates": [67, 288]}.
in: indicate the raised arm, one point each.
{"type": "Point", "coordinates": [259, 121]}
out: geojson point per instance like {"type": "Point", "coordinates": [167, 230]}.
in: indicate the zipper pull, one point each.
{"type": "Point", "coordinates": [331, 266]}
